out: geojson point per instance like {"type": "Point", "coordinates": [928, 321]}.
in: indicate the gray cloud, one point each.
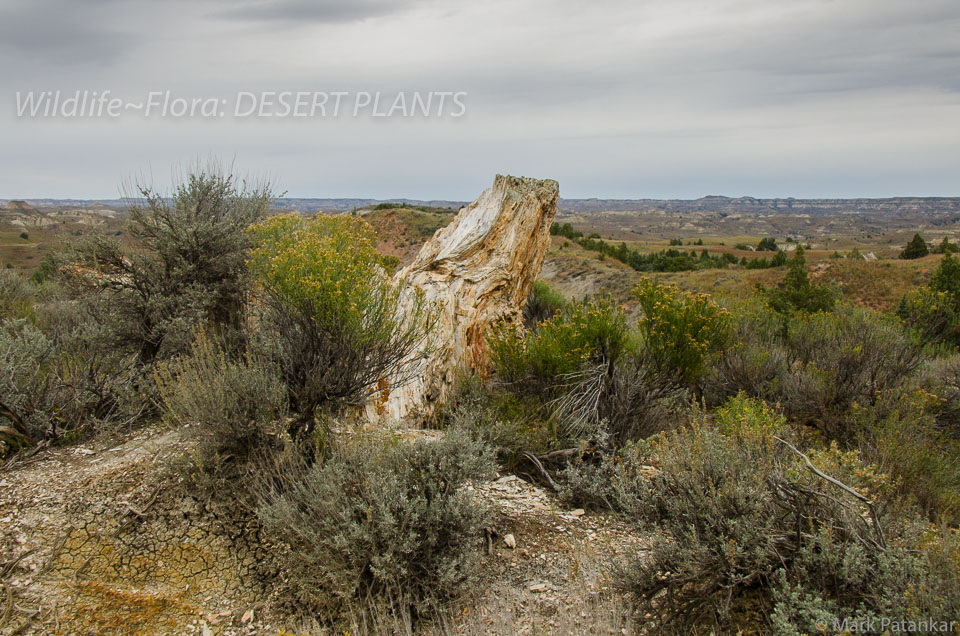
{"type": "Point", "coordinates": [614, 97]}
{"type": "Point", "coordinates": [300, 12]}
{"type": "Point", "coordinates": [63, 32]}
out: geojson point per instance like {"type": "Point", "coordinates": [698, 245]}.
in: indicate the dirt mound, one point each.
{"type": "Point", "coordinates": [20, 207]}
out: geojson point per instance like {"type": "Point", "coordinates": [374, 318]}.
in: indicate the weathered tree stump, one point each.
{"type": "Point", "coordinates": [479, 271]}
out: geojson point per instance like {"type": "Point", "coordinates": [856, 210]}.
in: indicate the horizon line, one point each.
{"type": "Point", "coordinates": [288, 197]}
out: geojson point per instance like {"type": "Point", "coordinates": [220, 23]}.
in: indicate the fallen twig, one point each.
{"type": "Point", "coordinates": [18, 423]}
{"type": "Point", "coordinates": [137, 513]}
{"type": "Point", "coordinates": [841, 485]}
{"type": "Point", "coordinates": [543, 471]}
{"type": "Point", "coordinates": [9, 566]}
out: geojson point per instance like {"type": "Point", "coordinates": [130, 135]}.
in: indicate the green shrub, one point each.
{"type": "Point", "coordinates": [334, 325]}
{"type": "Point", "coordinates": [744, 417]}
{"type": "Point", "coordinates": [578, 434]}
{"type": "Point", "coordinates": [589, 480]}
{"type": "Point", "coordinates": [947, 277]}
{"type": "Point", "coordinates": [593, 385]}
{"type": "Point", "coordinates": [916, 248]}
{"type": "Point", "coordinates": [24, 353]}
{"type": "Point", "coordinates": [934, 310]}
{"type": "Point", "coordinates": [850, 467]}
{"type": "Point", "coordinates": [756, 359]}
{"type": "Point", "coordinates": [715, 525]}
{"type": "Point", "coordinates": [946, 247]}
{"type": "Point", "coordinates": [49, 266]}
{"type": "Point", "coordinates": [16, 295]}
{"type": "Point", "coordinates": [582, 451]}
{"type": "Point", "coordinates": [587, 333]}
{"type": "Point", "coordinates": [565, 230]}
{"type": "Point", "coordinates": [768, 244]}
{"type": "Point", "coordinates": [54, 385]}
{"type": "Point", "coordinates": [610, 405]}
{"type": "Point", "coordinates": [510, 423]}
{"type": "Point", "coordinates": [683, 332]}
{"type": "Point", "coordinates": [542, 304]}
{"type": "Point", "coordinates": [229, 408]}
{"type": "Point", "coordinates": [901, 435]}
{"type": "Point", "coordinates": [942, 378]}
{"type": "Point", "coordinates": [797, 293]}
{"type": "Point", "coordinates": [186, 270]}
{"type": "Point", "coordinates": [746, 538]}
{"type": "Point", "coordinates": [830, 581]}
{"type": "Point", "coordinates": [938, 593]}
{"type": "Point", "coordinates": [610, 479]}
{"type": "Point", "coordinates": [638, 401]}
{"type": "Point", "coordinates": [69, 319]}
{"type": "Point", "coordinates": [389, 523]}
{"type": "Point", "coordinates": [815, 365]}
{"type": "Point", "coordinates": [836, 360]}
{"type": "Point", "coordinates": [508, 352]}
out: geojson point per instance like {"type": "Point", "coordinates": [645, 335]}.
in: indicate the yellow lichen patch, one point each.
{"type": "Point", "coordinates": [147, 578]}
{"type": "Point", "coordinates": [203, 562]}
{"type": "Point", "coordinates": [107, 609]}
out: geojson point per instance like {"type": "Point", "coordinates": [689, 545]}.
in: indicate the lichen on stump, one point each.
{"type": "Point", "coordinates": [478, 271]}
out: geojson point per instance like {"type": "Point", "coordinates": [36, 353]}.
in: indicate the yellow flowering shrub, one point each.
{"type": "Point", "coordinates": [334, 324]}
{"type": "Point", "coordinates": [746, 417]}
{"type": "Point", "coordinates": [327, 265]}
{"type": "Point", "coordinates": [682, 331]}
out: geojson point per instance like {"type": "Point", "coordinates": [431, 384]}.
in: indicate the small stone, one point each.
{"type": "Point", "coordinates": [538, 588]}
{"type": "Point", "coordinates": [511, 541]}
{"type": "Point", "coordinates": [579, 512]}
{"type": "Point", "coordinates": [247, 616]}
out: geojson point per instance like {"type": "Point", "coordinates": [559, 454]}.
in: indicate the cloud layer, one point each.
{"type": "Point", "coordinates": [613, 98]}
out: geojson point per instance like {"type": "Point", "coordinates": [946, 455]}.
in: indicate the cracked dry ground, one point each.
{"type": "Point", "coordinates": [98, 540]}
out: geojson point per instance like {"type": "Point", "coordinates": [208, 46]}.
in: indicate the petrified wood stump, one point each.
{"type": "Point", "coordinates": [479, 271]}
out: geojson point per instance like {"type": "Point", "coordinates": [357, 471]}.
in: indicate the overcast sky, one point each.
{"type": "Point", "coordinates": [615, 99]}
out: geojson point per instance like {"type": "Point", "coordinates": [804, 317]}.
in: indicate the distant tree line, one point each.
{"type": "Point", "coordinates": [670, 260]}
{"type": "Point", "coordinates": [918, 248]}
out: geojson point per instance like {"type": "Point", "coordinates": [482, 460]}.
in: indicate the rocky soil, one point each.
{"type": "Point", "coordinates": [99, 539]}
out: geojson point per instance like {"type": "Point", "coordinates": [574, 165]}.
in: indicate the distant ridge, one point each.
{"type": "Point", "coordinates": [717, 204]}
{"type": "Point", "coordinates": [18, 206]}
{"type": "Point", "coordinates": [747, 205]}
{"type": "Point", "coordinates": [298, 204]}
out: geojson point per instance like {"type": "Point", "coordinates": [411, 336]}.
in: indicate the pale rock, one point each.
{"type": "Point", "coordinates": [511, 541]}
{"type": "Point", "coordinates": [648, 471]}
{"type": "Point", "coordinates": [478, 272]}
